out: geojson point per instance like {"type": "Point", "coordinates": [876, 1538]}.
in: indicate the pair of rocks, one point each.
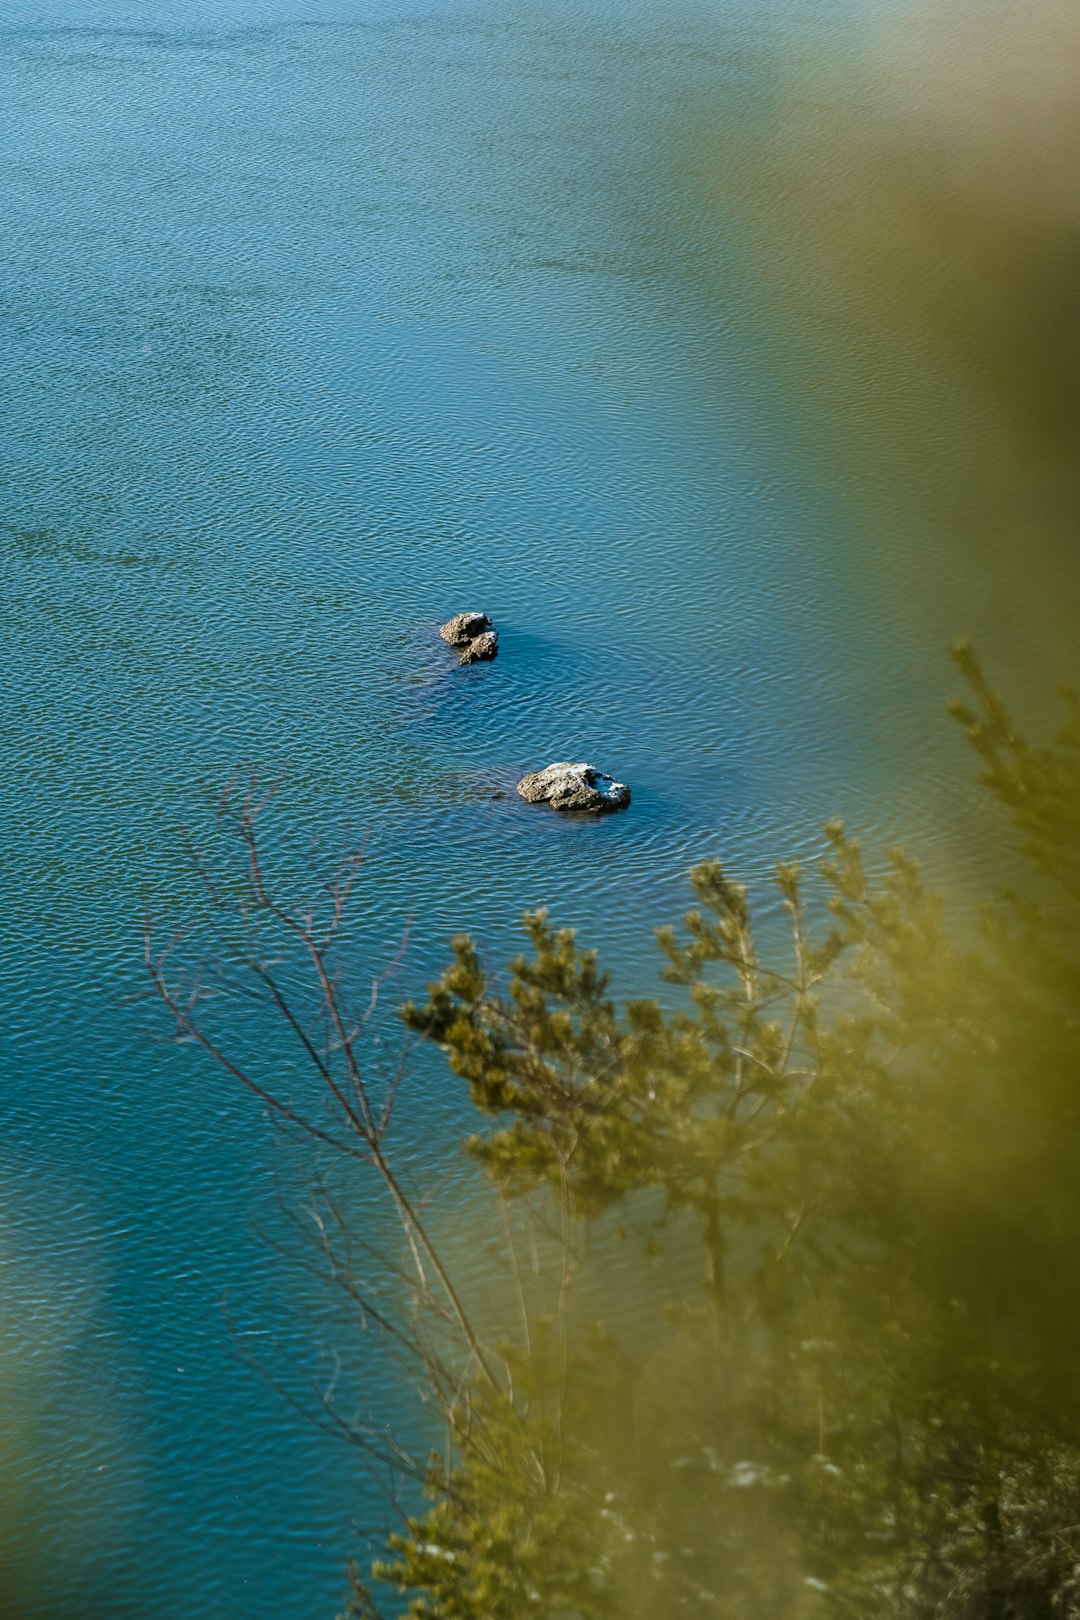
{"type": "Point", "coordinates": [563, 786]}
{"type": "Point", "coordinates": [474, 635]}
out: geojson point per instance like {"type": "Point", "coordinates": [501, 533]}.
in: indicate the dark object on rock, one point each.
{"type": "Point", "coordinates": [574, 787]}
{"type": "Point", "coordinates": [481, 648]}
{"type": "Point", "coordinates": [463, 627]}
{"type": "Point", "coordinates": [474, 634]}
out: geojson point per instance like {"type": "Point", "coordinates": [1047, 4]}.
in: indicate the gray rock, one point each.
{"type": "Point", "coordinates": [574, 787]}
{"type": "Point", "coordinates": [480, 648]}
{"type": "Point", "coordinates": [463, 627]}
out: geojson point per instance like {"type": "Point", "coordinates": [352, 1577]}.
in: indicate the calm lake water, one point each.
{"type": "Point", "coordinates": [318, 323]}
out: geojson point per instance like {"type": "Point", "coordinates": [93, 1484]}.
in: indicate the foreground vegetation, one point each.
{"type": "Point", "coordinates": [865, 1151]}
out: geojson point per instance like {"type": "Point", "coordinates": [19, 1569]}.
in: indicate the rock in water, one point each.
{"type": "Point", "coordinates": [480, 648]}
{"type": "Point", "coordinates": [574, 787]}
{"type": "Point", "coordinates": [475, 636]}
{"type": "Point", "coordinates": [463, 627]}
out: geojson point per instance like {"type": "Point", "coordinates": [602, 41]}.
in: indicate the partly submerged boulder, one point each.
{"type": "Point", "coordinates": [463, 627]}
{"type": "Point", "coordinates": [574, 787]}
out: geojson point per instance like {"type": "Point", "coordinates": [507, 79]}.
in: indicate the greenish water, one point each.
{"type": "Point", "coordinates": [317, 324]}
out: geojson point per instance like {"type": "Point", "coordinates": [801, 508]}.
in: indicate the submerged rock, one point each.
{"type": "Point", "coordinates": [574, 787]}
{"type": "Point", "coordinates": [463, 627]}
{"type": "Point", "coordinates": [474, 635]}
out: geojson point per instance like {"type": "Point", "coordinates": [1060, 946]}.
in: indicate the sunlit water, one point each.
{"type": "Point", "coordinates": [321, 322]}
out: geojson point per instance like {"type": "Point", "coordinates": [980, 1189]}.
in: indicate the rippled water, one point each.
{"type": "Point", "coordinates": [319, 323]}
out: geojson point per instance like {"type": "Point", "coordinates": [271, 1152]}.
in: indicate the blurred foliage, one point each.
{"type": "Point", "coordinates": [870, 1405]}
{"type": "Point", "coordinates": [896, 208]}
